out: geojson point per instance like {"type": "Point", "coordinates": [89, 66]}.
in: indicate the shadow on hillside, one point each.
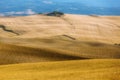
{"type": "Point", "coordinates": [11, 54]}
{"type": "Point", "coordinates": [8, 30]}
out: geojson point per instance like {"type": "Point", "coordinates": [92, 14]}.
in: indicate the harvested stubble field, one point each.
{"type": "Point", "coordinates": [78, 47]}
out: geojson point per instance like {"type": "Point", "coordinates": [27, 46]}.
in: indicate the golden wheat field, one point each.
{"type": "Point", "coordinates": [70, 47]}
{"type": "Point", "coordinates": [96, 69]}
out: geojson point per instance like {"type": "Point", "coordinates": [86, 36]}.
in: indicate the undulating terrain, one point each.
{"type": "Point", "coordinates": [76, 47]}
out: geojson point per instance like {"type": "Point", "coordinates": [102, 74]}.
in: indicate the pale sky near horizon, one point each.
{"type": "Point", "coordinates": [9, 7]}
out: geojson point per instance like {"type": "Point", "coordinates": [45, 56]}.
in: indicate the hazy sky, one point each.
{"type": "Point", "coordinates": [99, 3]}
{"type": "Point", "coordinates": [70, 6]}
{"type": "Point", "coordinates": [102, 3]}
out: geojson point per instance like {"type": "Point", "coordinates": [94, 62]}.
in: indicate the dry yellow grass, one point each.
{"type": "Point", "coordinates": [56, 51]}
{"type": "Point", "coordinates": [11, 54]}
{"type": "Point", "coordinates": [80, 47]}
{"type": "Point", "coordinates": [84, 28]}
{"type": "Point", "coordinates": [64, 70]}
{"type": "Point", "coordinates": [47, 38]}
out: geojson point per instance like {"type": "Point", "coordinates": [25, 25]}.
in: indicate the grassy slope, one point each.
{"type": "Point", "coordinates": [83, 28]}
{"type": "Point", "coordinates": [57, 50]}
{"type": "Point", "coordinates": [19, 54]}
{"type": "Point", "coordinates": [45, 38]}
{"type": "Point", "coordinates": [65, 70]}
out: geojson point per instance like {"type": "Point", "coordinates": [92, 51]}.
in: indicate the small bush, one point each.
{"type": "Point", "coordinates": [55, 13]}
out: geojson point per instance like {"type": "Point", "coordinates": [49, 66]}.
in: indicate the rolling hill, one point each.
{"type": "Point", "coordinates": [47, 38]}
{"type": "Point", "coordinates": [70, 47]}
